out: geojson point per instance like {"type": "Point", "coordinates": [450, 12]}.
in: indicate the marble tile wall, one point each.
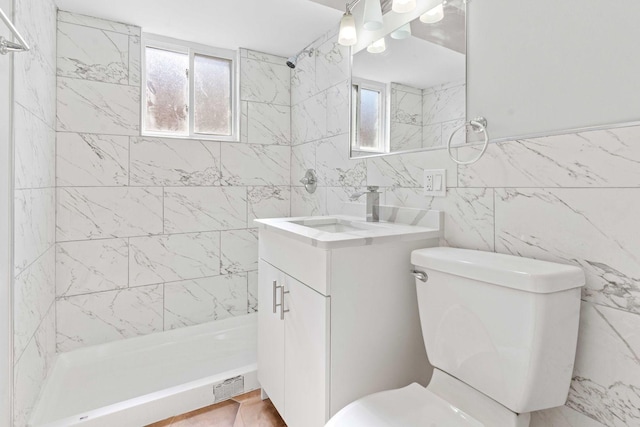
{"type": "Point", "coordinates": [34, 108]}
{"type": "Point", "coordinates": [570, 198]}
{"type": "Point", "coordinates": [156, 233]}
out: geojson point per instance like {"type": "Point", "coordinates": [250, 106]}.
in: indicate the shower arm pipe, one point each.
{"type": "Point", "coordinates": [7, 46]}
{"type": "Point", "coordinates": [351, 5]}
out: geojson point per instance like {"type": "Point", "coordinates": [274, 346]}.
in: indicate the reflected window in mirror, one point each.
{"type": "Point", "coordinates": [368, 116]}
{"type": "Point", "coordinates": [420, 64]}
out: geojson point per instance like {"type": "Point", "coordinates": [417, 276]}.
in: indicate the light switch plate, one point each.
{"type": "Point", "coordinates": [435, 182]}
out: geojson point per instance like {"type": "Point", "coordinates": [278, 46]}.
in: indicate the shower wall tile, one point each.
{"type": "Point", "coordinates": [191, 209]}
{"type": "Point", "coordinates": [239, 250]}
{"type": "Point", "coordinates": [91, 266]}
{"type": "Point", "coordinates": [95, 107]}
{"type": "Point", "coordinates": [262, 56]}
{"type": "Point", "coordinates": [34, 293]}
{"type": "Point", "coordinates": [337, 105]}
{"type": "Point", "coordinates": [607, 369]}
{"type": "Point", "coordinates": [32, 368]}
{"type": "Point", "coordinates": [136, 212]}
{"type": "Point", "coordinates": [268, 202]}
{"type": "Point", "coordinates": [562, 416]}
{"type": "Point", "coordinates": [253, 164]}
{"type": "Point", "coordinates": [135, 53]}
{"type": "Point", "coordinates": [334, 166]}
{"type": "Point", "coordinates": [107, 316]}
{"type": "Point", "coordinates": [198, 301]}
{"type": "Point", "coordinates": [104, 212]}
{"type": "Point", "coordinates": [312, 122]}
{"type": "Point", "coordinates": [174, 162]}
{"type": "Point", "coordinates": [252, 292]}
{"type": "Point", "coordinates": [102, 24]}
{"type": "Point", "coordinates": [333, 64]}
{"type": "Point", "coordinates": [34, 150]}
{"type": "Point", "coordinates": [34, 225]}
{"type": "Point", "coordinates": [171, 258]}
{"type": "Point", "coordinates": [306, 204]}
{"type": "Point", "coordinates": [265, 82]}
{"type": "Point", "coordinates": [85, 160]}
{"type": "Point", "coordinates": [34, 71]}
{"type": "Point", "coordinates": [268, 124]}
{"type": "Point", "coordinates": [570, 226]}
{"type": "Point", "coordinates": [303, 79]}
{"type": "Point", "coordinates": [603, 158]}
{"type": "Point", "coordinates": [303, 157]}
{"type": "Point", "coordinates": [92, 54]}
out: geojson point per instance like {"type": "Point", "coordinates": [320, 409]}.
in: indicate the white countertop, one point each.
{"type": "Point", "coordinates": [374, 233]}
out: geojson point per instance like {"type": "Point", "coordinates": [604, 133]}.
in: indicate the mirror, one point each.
{"type": "Point", "coordinates": [408, 85]}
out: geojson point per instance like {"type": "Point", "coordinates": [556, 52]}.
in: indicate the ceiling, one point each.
{"type": "Point", "coordinates": [280, 27]}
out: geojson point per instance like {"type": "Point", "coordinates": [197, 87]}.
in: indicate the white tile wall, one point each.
{"type": "Point", "coordinates": [156, 233]}
{"type": "Point", "coordinates": [570, 198]}
{"type": "Point", "coordinates": [34, 123]}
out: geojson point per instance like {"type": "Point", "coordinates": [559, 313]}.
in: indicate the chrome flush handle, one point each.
{"type": "Point", "coordinates": [420, 275]}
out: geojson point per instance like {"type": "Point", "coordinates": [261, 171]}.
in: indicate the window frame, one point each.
{"type": "Point", "coordinates": [191, 49]}
{"type": "Point", "coordinates": [383, 113]}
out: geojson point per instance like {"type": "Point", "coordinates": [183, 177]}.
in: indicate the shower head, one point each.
{"type": "Point", "coordinates": [292, 61]}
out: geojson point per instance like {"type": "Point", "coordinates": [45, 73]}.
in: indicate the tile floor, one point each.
{"type": "Point", "coordinates": [246, 410]}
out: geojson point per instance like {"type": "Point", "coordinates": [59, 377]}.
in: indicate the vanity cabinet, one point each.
{"type": "Point", "coordinates": [336, 323]}
{"type": "Point", "coordinates": [293, 338]}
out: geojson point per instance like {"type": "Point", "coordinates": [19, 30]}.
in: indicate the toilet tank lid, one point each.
{"type": "Point", "coordinates": [515, 272]}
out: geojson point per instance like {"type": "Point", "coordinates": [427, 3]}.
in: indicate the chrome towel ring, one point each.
{"type": "Point", "coordinates": [479, 124]}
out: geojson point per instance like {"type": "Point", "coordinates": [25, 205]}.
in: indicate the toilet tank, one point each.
{"type": "Point", "coordinates": [505, 325]}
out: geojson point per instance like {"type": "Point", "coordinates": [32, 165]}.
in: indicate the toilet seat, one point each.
{"type": "Point", "coordinates": [410, 406]}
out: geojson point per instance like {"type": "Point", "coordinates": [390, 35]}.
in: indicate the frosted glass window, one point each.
{"type": "Point", "coordinates": [167, 92]}
{"type": "Point", "coordinates": [369, 115]}
{"type": "Point", "coordinates": [212, 95]}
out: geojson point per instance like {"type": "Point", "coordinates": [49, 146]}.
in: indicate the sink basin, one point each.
{"type": "Point", "coordinates": [334, 225]}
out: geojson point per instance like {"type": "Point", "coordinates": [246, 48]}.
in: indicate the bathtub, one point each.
{"type": "Point", "coordinates": [146, 379]}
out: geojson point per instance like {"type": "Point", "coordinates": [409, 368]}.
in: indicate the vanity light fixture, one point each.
{"type": "Point", "coordinates": [402, 32]}
{"type": "Point", "coordinates": [433, 15]}
{"type": "Point", "coordinates": [348, 35]}
{"type": "Point", "coordinates": [403, 6]}
{"type": "Point", "coordinates": [372, 15]}
{"type": "Point", "coordinates": [377, 46]}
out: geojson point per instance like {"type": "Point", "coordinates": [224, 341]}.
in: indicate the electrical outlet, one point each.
{"type": "Point", "coordinates": [435, 182]}
{"type": "Point", "coordinates": [428, 181]}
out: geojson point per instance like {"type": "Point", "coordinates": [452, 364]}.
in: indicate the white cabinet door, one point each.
{"type": "Point", "coordinates": [306, 356]}
{"type": "Point", "coordinates": [271, 335]}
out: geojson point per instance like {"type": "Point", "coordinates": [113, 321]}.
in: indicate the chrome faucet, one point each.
{"type": "Point", "coordinates": [373, 202]}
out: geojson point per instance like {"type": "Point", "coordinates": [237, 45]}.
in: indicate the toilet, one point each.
{"type": "Point", "coordinates": [501, 333]}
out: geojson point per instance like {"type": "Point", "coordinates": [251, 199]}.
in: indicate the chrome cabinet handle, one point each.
{"type": "Point", "coordinates": [275, 287]}
{"type": "Point", "coordinates": [420, 275]}
{"type": "Point", "coordinates": [282, 310]}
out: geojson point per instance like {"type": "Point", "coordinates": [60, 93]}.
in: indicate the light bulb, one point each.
{"type": "Point", "coordinates": [347, 35]}
{"type": "Point", "coordinates": [403, 6]}
{"type": "Point", "coordinates": [402, 32]}
{"type": "Point", "coordinates": [372, 15]}
{"type": "Point", "coordinates": [433, 15]}
{"type": "Point", "coordinates": [377, 46]}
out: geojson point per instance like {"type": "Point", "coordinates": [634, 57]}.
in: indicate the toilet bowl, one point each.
{"type": "Point", "coordinates": [501, 333]}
